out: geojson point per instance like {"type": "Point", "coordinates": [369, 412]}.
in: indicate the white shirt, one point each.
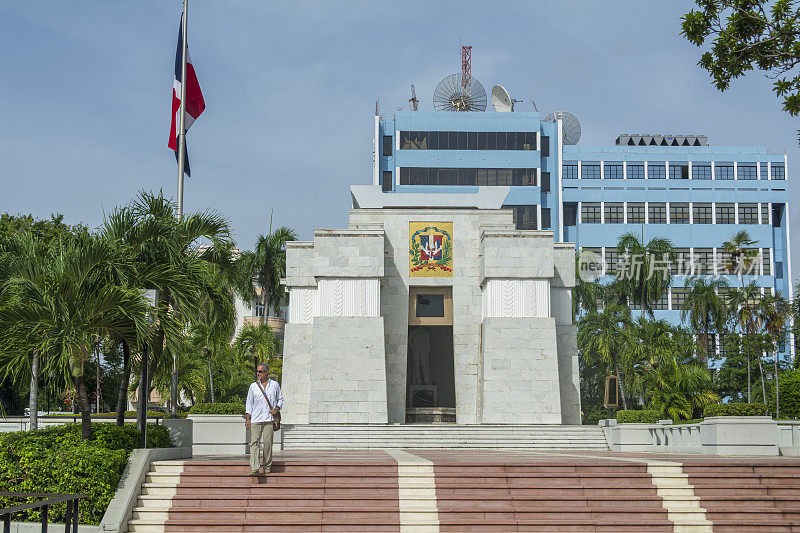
{"type": "Point", "coordinates": [256, 405]}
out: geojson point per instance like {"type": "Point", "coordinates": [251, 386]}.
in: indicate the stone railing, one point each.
{"type": "Point", "coordinates": [725, 435]}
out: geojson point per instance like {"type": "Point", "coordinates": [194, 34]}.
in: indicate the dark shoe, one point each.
{"type": "Point", "coordinates": [254, 472]}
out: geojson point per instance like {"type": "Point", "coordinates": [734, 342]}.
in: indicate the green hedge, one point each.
{"type": "Point", "coordinates": [128, 414]}
{"type": "Point", "coordinates": [736, 409]}
{"type": "Point", "coordinates": [790, 394]}
{"type": "Point", "coordinates": [217, 409]}
{"type": "Point", "coordinates": [56, 460]}
{"type": "Point", "coordinates": [645, 416]}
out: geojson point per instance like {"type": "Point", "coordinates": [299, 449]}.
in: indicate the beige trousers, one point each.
{"type": "Point", "coordinates": [260, 432]}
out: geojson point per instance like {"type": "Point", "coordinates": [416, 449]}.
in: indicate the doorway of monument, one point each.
{"type": "Point", "coordinates": [430, 381]}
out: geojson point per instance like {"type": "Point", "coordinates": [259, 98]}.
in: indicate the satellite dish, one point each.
{"type": "Point", "coordinates": [571, 126]}
{"type": "Point", "coordinates": [501, 99]}
{"type": "Point", "coordinates": [459, 93]}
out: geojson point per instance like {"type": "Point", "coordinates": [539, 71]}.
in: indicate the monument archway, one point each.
{"type": "Point", "coordinates": [430, 377]}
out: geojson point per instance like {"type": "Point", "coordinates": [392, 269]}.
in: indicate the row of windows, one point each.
{"type": "Point", "coordinates": [677, 171]}
{"type": "Point", "coordinates": [467, 140]}
{"type": "Point", "coordinates": [525, 216]}
{"type": "Point", "coordinates": [679, 213]}
{"type": "Point", "coordinates": [697, 261]}
{"type": "Point", "coordinates": [471, 176]}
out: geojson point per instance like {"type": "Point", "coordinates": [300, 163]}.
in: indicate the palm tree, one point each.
{"type": "Point", "coordinates": [267, 264]}
{"type": "Point", "coordinates": [705, 309]}
{"type": "Point", "coordinates": [745, 310]}
{"type": "Point", "coordinates": [649, 264]}
{"type": "Point", "coordinates": [645, 343]}
{"type": "Point", "coordinates": [775, 312]}
{"type": "Point", "coordinates": [741, 256]}
{"type": "Point", "coordinates": [258, 342]}
{"type": "Point", "coordinates": [600, 337]}
{"type": "Point", "coordinates": [677, 390]}
{"type": "Point", "coordinates": [585, 294]}
{"type": "Point", "coordinates": [61, 307]}
{"type": "Point", "coordinates": [171, 245]}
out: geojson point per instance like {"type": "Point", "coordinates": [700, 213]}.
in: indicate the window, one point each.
{"type": "Point", "coordinates": [656, 171]}
{"type": "Point", "coordinates": [430, 306]}
{"type": "Point", "coordinates": [635, 213]}
{"type": "Point", "coordinates": [701, 171]}
{"type": "Point", "coordinates": [529, 142]}
{"type": "Point", "coordinates": [461, 140]}
{"type": "Point", "coordinates": [765, 261]}
{"type": "Point", "coordinates": [524, 216]}
{"type": "Point", "coordinates": [725, 214]}
{"type": "Point", "coordinates": [467, 176]}
{"type": "Point", "coordinates": [725, 262]}
{"type": "Point", "coordinates": [590, 212]}
{"type": "Point", "coordinates": [612, 171]}
{"type": "Point", "coordinates": [723, 171]}
{"type": "Point", "coordinates": [778, 270]}
{"type": "Point", "coordinates": [545, 218]}
{"type": "Point", "coordinates": [635, 172]}
{"type": "Point", "coordinates": [501, 140]}
{"type": "Point", "coordinates": [682, 263]}
{"type": "Point", "coordinates": [777, 215]}
{"type": "Point", "coordinates": [611, 260]}
{"type": "Point", "coordinates": [472, 140]}
{"type": "Point", "coordinates": [614, 212]}
{"type": "Point", "coordinates": [570, 171]}
{"type": "Point", "coordinates": [778, 172]}
{"type": "Point", "coordinates": [662, 303]}
{"type": "Point", "coordinates": [678, 171]}
{"type": "Point", "coordinates": [704, 260]}
{"type": "Point", "coordinates": [747, 171]}
{"type": "Point", "coordinates": [657, 213]}
{"type": "Point", "coordinates": [258, 309]}
{"type": "Point", "coordinates": [545, 182]}
{"type": "Point", "coordinates": [679, 298]}
{"type": "Point", "coordinates": [545, 146]}
{"type": "Point", "coordinates": [387, 181]}
{"type": "Point", "coordinates": [590, 171]}
{"type": "Point", "coordinates": [678, 213]}
{"type": "Point", "coordinates": [387, 145]}
{"type": "Point", "coordinates": [765, 213]}
{"type": "Point", "coordinates": [748, 213]}
{"type": "Point", "coordinates": [701, 213]}
{"type": "Point", "coordinates": [764, 171]}
{"type": "Point", "coordinates": [570, 213]}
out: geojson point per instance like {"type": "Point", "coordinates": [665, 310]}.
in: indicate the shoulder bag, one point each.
{"type": "Point", "coordinates": [276, 418]}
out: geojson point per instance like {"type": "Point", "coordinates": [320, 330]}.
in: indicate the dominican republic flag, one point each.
{"type": "Point", "coordinates": [194, 99]}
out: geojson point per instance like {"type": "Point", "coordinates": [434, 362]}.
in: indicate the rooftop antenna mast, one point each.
{"type": "Point", "coordinates": [413, 102]}
{"type": "Point", "coordinates": [466, 67]}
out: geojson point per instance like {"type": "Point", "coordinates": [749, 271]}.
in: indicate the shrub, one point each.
{"type": "Point", "coordinates": [56, 460]}
{"type": "Point", "coordinates": [113, 415]}
{"type": "Point", "coordinates": [593, 416]}
{"type": "Point", "coordinates": [645, 416]}
{"type": "Point", "coordinates": [790, 394]}
{"type": "Point", "coordinates": [217, 409]}
{"type": "Point", "coordinates": [736, 409]}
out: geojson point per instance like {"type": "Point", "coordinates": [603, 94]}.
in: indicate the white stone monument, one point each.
{"type": "Point", "coordinates": [487, 307]}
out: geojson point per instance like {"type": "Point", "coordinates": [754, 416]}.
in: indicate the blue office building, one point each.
{"type": "Point", "coordinates": [680, 187]}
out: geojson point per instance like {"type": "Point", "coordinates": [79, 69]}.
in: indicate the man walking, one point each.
{"type": "Point", "coordinates": [264, 399]}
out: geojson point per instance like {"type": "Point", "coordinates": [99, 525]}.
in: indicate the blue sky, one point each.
{"type": "Point", "coordinates": [290, 90]}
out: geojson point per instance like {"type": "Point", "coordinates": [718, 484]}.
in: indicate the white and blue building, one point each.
{"type": "Point", "coordinates": [680, 187]}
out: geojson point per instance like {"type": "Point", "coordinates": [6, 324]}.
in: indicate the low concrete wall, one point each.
{"type": "Point", "coordinates": [120, 510]}
{"type": "Point", "coordinates": [36, 527]}
{"type": "Point", "coordinates": [21, 423]}
{"type": "Point", "coordinates": [724, 435]}
{"type": "Point", "coordinates": [224, 435]}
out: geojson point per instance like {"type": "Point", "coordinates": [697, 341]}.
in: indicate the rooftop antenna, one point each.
{"type": "Point", "coordinates": [377, 109]}
{"type": "Point", "coordinates": [534, 105]}
{"type": "Point", "coordinates": [466, 67]}
{"type": "Point", "coordinates": [413, 101]}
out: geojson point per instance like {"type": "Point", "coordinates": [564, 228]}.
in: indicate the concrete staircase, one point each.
{"type": "Point", "coordinates": [347, 436]}
{"type": "Point", "coordinates": [431, 490]}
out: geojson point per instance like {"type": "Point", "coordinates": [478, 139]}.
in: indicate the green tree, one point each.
{"type": "Point", "coordinates": [600, 337]}
{"type": "Point", "coordinates": [267, 265]}
{"type": "Point", "coordinates": [775, 313]}
{"type": "Point", "coordinates": [648, 276]}
{"type": "Point", "coordinates": [745, 310]}
{"type": "Point", "coordinates": [678, 390]}
{"type": "Point", "coordinates": [745, 35]}
{"type": "Point", "coordinates": [645, 343]}
{"type": "Point", "coordinates": [258, 343]}
{"type": "Point", "coordinates": [742, 255]}
{"type": "Point", "coordinates": [705, 309]}
{"type": "Point", "coordinates": [59, 308]}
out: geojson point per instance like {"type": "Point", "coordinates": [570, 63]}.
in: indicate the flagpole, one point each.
{"type": "Point", "coordinates": [182, 127]}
